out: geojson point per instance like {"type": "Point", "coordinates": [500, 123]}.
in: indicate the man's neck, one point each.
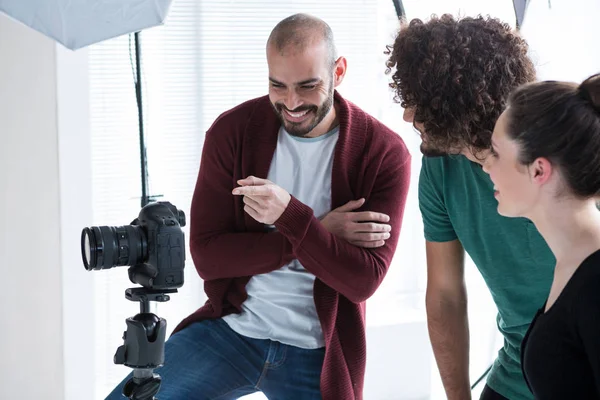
{"type": "Point", "coordinates": [481, 156]}
{"type": "Point", "coordinates": [327, 124]}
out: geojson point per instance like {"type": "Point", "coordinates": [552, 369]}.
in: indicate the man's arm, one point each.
{"type": "Point", "coordinates": [355, 272]}
{"type": "Point", "coordinates": [446, 302]}
{"type": "Point", "coordinates": [446, 298]}
{"type": "Point", "coordinates": [217, 249]}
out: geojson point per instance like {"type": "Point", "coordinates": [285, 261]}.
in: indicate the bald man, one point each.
{"type": "Point", "coordinates": [294, 221]}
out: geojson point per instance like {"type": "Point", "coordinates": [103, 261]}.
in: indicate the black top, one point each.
{"type": "Point", "coordinates": [561, 350]}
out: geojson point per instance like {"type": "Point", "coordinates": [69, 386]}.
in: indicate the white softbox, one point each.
{"type": "Point", "coordinates": [79, 23]}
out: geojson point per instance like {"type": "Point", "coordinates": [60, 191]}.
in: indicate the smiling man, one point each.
{"type": "Point", "coordinates": [294, 221]}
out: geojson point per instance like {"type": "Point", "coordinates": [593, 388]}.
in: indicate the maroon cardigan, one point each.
{"type": "Point", "coordinates": [228, 246]}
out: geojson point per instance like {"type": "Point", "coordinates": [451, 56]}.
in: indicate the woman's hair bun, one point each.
{"type": "Point", "coordinates": [590, 90]}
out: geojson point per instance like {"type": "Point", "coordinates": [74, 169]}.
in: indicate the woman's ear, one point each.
{"type": "Point", "coordinates": [540, 170]}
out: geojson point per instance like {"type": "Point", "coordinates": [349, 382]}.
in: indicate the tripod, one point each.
{"type": "Point", "coordinates": [144, 347]}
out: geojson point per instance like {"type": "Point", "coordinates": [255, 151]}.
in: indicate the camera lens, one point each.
{"type": "Point", "coordinates": [86, 250]}
{"type": "Point", "coordinates": [104, 247]}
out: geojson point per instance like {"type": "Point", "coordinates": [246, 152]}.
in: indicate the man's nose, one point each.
{"type": "Point", "coordinates": [292, 100]}
{"type": "Point", "coordinates": [409, 115]}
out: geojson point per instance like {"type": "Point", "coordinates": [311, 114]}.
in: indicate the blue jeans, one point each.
{"type": "Point", "coordinates": [209, 361]}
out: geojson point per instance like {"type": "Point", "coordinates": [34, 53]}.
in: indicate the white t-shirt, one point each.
{"type": "Point", "coordinates": [280, 304]}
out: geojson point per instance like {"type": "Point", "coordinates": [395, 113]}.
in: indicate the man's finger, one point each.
{"type": "Point", "coordinates": [368, 245]}
{"type": "Point", "coordinates": [252, 203]}
{"type": "Point", "coordinates": [369, 237]}
{"type": "Point", "coordinates": [372, 227]}
{"type": "Point", "coordinates": [351, 205]}
{"type": "Point", "coordinates": [252, 191]}
{"type": "Point", "coordinates": [370, 216]}
{"type": "Point", "coordinates": [252, 212]}
{"type": "Point", "coordinates": [259, 199]}
{"type": "Point", "coordinates": [252, 180]}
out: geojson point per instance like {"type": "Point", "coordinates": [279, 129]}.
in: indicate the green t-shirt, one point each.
{"type": "Point", "coordinates": [457, 202]}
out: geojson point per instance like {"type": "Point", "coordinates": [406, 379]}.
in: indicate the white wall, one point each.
{"type": "Point", "coordinates": [75, 177]}
{"type": "Point", "coordinates": [31, 363]}
{"type": "Point", "coordinates": [45, 193]}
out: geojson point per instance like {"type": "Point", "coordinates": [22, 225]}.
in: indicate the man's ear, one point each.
{"type": "Point", "coordinates": [339, 71]}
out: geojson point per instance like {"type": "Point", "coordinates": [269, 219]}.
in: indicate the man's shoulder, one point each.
{"type": "Point", "coordinates": [443, 162]}
{"type": "Point", "coordinates": [453, 177]}
{"type": "Point", "coordinates": [385, 134]}
{"type": "Point", "coordinates": [378, 129]}
{"type": "Point", "coordinates": [446, 167]}
{"type": "Point", "coordinates": [378, 134]}
{"type": "Point", "coordinates": [241, 114]}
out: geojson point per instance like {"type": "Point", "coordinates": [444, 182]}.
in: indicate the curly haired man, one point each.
{"type": "Point", "coordinates": [453, 77]}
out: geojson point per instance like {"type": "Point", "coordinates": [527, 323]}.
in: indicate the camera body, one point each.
{"type": "Point", "coordinates": [153, 246]}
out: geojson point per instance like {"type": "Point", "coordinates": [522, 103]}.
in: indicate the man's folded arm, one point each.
{"type": "Point", "coordinates": [218, 251]}
{"type": "Point", "coordinates": [353, 271]}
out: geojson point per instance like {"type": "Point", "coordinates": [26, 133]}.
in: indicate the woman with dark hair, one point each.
{"type": "Point", "coordinates": [545, 165]}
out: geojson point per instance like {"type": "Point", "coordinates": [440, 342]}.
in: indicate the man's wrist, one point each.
{"type": "Point", "coordinates": [295, 216]}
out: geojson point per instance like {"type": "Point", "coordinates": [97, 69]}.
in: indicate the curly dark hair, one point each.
{"type": "Point", "coordinates": [457, 74]}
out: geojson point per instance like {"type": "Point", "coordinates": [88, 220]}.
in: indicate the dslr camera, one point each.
{"type": "Point", "coordinates": [152, 246]}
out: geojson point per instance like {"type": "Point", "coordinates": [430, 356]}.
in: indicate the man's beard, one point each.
{"type": "Point", "coordinates": [426, 150]}
{"type": "Point", "coordinates": [303, 128]}
{"type": "Point", "coordinates": [431, 152]}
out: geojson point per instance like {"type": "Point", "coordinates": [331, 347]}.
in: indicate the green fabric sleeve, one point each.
{"type": "Point", "coordinates": [436, 221]}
